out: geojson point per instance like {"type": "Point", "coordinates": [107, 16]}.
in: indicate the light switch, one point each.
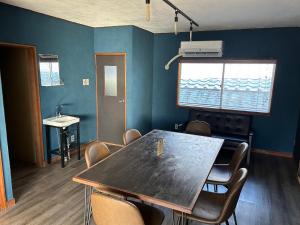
{"type": "Point", "coordinates": [85, 82]}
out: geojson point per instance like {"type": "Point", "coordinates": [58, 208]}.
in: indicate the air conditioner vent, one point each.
{"type": "Point", "coordinates": [201, 49]}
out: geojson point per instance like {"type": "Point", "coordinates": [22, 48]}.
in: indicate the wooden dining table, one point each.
{"type": "Point", "coordinates": [172, 179]}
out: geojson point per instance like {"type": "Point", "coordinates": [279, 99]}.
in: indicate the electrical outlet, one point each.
{"type": "Point", "coordinates": [72, 138]}
{"type": "Point", "coordinates": [85, 82]}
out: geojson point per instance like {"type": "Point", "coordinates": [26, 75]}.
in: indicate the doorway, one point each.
{"type": "Point", "coordinates": [21, 99]}
{"type": "Point", "coordinates": [111, 96]}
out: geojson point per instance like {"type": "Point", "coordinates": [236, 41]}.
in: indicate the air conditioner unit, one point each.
{"type": "Point", "coordinates": [198, 49]}
{"type": "Point", "coordinates": [201, 49]}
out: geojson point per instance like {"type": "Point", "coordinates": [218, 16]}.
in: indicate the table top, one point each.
{"type": "Point", "coordinates": [173, 179]}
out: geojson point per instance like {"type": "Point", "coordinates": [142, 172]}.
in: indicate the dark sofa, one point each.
{"type": "Point", "coordinates": [234, 128]}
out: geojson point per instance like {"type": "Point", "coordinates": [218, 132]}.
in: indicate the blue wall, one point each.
{"type": "Point", "coordinates": [73, 44]}
{"type": "Point", "coordinates": [275, 132]}
{"type": "Point", "coordinates": [138, 45]}
{"type": "Point", "coordinates": [142, 81]}
{"type": "Point", "coordinates": [151, 91]}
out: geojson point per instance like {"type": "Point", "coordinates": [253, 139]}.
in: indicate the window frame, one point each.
{"type": "Point", "coordinates": [49, 58]}
{"type": "Point", "coordinates": [235, 61]}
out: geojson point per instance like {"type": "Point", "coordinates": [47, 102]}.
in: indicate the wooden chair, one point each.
{"type": "Point", "coordinates": [95, 152]}
{"type": "Point", "coordinates": [130, 136]}
{"type": "Point", "coordinates": [221, 174]}
{"type": "Point", "coordinates": [112, 211]}
{"type": "Point", "coordinates": [198, 127]}
{"type": "Point", "coordinates": [216, 208]}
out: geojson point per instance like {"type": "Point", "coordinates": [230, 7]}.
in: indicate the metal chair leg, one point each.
{"type": "Point", "coordinates": [234, 217]}
{"type": "Point", "coordinates": [207, 187]}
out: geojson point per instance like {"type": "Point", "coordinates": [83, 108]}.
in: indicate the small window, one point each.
{"type": "Point", "coordinates": [49, 70]}
{"type": "Point", "coordinates": [239, 85]}
{"type": "Point", "coordinates": [110, 81]}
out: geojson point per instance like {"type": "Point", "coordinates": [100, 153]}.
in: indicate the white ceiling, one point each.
{"type": "Point", "coordinates": [210, 14]}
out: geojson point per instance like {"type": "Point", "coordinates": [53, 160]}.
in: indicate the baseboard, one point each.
{"type": "Point", "coordinates": [272, 153]}
{"type": "Point", "coordinates": [56, 158]}
{"type": "Point", "coordinates": [9, 204]}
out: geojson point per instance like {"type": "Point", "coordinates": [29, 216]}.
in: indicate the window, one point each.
{"type": "Point", "coordinates": [239, 85]}
{"type": "Point", "coordinates": [49, 70]}
{"type": "Point", "coordinates": [110, 81]}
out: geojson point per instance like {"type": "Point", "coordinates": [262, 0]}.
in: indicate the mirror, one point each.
{"type": "Point", "coordinates": [49, 70]}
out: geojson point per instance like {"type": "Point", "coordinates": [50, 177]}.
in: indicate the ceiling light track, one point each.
{"type": "Point", "coordinates": [176, 22]}
{"type": "Point", "coordinates": [180, 12]}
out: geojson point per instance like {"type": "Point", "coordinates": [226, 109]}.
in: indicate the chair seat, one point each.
{"type": "Point", "coordinates": [216, 208]}
{"type": "Point", "coordinates": [151, 215]}
{"type": "Point", "coordinates": [208, 208]}
{"type": "Point", "coordinates": [220, 175]}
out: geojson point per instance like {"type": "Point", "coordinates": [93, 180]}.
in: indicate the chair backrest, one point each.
{"type": "Point", "coordinates": [233, 194]}
{"type": "Point", "coordinates": [95, 152]}
{"type": "Point", "coordinates": [238, 157]}
{"type": "Point", "coordinates": [228, 124]}
{"type": "Point", "coordinates": [198, 127]}
{"type": "Point", "coordinates": [112, 211]}
{"type": "Point", "coordinates": [130, 136]}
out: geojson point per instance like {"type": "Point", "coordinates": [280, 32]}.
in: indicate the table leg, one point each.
{"type": "Point", "coordinates": [62, 147]}
{"type": "Point", "coordinates": [173, 217]}
{"type": "Point", "coordinates": [48, 144]}
{"type": "Point", "coordinates": [87, 204]}
{"type": "Point", "coordinates": [78, 140]}
{"type": "Point", "coordinates": [183, 219]}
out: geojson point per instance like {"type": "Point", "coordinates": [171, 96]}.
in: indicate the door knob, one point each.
{"type": "Point", "coordinates": [121, 101]}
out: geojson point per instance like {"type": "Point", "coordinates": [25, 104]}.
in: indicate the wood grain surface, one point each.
{"type": "Point", "coordinates": [173, 180]}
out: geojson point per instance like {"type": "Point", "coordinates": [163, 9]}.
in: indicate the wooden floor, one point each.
{"type": "Point", "coordinates": [45, 196]}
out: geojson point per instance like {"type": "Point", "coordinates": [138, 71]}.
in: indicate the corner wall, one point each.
{"type": "Point", "coordinates": [142, 81]}
{"type": "Point", "coordinates": [73, 44]}
{"type": "Point", "coordinates": [138, 45]}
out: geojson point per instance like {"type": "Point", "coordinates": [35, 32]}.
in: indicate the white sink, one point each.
{"type": "Point", "coordinates": [61, 121]}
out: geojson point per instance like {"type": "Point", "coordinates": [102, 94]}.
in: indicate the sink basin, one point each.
{"type": "Point", "coordinates": [61, 121]}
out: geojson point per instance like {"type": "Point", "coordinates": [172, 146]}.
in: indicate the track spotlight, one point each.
{"type": "Point", "coordinates": [191, 30]}
{"type": "Point", "coordinates": [148, 10]}
{"type": "Point", "coordinates": [176, 22]}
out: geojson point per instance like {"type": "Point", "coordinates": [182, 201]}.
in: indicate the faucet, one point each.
{"type": "Point", "coordinates": [58, 110]}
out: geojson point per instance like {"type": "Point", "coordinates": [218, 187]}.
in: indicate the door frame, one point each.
{"type": "Point", "coordinates": [97, 81]}
{"type": "Point", "coordinates": [35, 95]}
